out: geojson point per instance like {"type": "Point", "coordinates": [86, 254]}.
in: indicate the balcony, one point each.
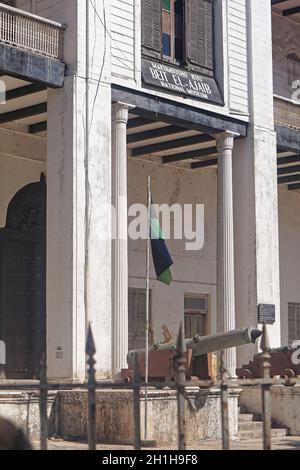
{"type": "Point", "coordinates": [31, 61]}
{"type": "Point", "coordinates": [287, 125]}
{"type": "Point", "coordinates": [31, 47]}
{"type": "Point", "coordinates": [286, 112]}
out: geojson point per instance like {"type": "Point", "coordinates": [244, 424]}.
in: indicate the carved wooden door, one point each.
{"type": "Point", "coordinates": [23, 283]}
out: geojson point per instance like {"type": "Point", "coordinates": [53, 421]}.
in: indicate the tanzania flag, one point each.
{"type": "Point", "coordinates": [161, 257]}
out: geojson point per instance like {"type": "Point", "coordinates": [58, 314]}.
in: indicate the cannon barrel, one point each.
{"type": "Point", "coordinates": [218, 342]}
{"type": "Point", "coordinates": [201, 345]}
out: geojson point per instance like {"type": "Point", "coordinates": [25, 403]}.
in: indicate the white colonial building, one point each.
{"type": "Point", "coordinates": [199, 94]}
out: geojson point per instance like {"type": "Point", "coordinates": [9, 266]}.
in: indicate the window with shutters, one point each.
{"type": "Point", "coordinates": [173, 30]}
{"type": "Point", "coordinates": [200, 35]}
{"type": "Point", "coordinates": [137, 318]}
{"type": "Point", "coordinates": [195, 315]}
{"type": "Point", "coordinates": [294, 322]}
{"type": "Point", "coordinates": [180, 32]}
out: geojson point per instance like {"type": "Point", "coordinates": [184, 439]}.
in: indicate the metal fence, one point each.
{"type": "Point", "coordinates": [225, 383]}
{"type": "Point", "coordinates": [31, 32]}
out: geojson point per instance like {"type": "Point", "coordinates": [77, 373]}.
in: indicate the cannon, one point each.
{"type": "Point", "coordinates": [199, 356]}
{"type": "Point", "coordinates": [282, 364]}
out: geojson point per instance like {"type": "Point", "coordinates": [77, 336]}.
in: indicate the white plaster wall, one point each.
{"type": "Point", "coordinates": [193, 272]}
{"type": "Point", "coordinates": [22, 160]}
{"type": "Point", "coordinates": [286, 40]}
{"type": "Point", "coordinates": [289, 242]}
{"type": "Point", "coordinates": [260, 64]}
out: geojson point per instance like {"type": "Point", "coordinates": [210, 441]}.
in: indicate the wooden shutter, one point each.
{"type": "Point", "coordinates": [151, 28]}
{"type": "Point", "coordinates": [200, 35]}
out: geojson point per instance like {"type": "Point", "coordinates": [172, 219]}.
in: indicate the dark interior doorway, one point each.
{"type": "Point", "coordinates": [23, 281]}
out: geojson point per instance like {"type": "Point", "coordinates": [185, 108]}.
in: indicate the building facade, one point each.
{"type": "Point", "coordinates": [201, 95]}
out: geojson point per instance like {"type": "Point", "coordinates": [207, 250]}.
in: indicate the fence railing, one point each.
{"type": "Point", "coordinates": [286, 112]}
{"type": "Point", "coordinates": [31, 32]}
{"type": "Point", "coordinates": [226, 383]}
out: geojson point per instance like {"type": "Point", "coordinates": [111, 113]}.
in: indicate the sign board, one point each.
{"type": "Point", "coordinates": [179, 80]}
{"type": "Point", "coordinates": [266, 314]}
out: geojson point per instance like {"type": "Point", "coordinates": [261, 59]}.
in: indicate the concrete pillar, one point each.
{"type": "Point", "coordinates": [79, 199]}
{"type": "Point", "coordinates": [120, 238]}
{"type": "Point", "coordinates": [255, 188]}
{"type": "Point", "coordinates": [225, 256]}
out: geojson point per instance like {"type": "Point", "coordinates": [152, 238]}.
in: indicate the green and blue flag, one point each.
{"type": "Point", "coordinates": [161, 256]}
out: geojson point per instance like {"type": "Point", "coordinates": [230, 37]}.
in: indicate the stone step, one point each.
{"type": "Point", "coordinates": [279, 433]}
{"type": "Point", "coordinates": [257, 435]}
{"type": "Point", "coordinates": [245, 418]}
{"type": "Point", "coordinates": [250, 426]}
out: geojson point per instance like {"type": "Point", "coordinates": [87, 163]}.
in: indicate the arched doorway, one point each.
{"type": "Point", "coordinates": [23, 281]}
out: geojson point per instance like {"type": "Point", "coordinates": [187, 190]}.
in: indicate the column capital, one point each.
{"type": "Point", "coordinates": [225, 140]}
{"type": "Point", "coordinates": [120, 112]}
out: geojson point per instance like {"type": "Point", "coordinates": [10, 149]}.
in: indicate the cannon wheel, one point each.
{"type": "Point", "coordinates": [289, 374]}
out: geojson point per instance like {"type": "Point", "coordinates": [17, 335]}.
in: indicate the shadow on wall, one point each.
{"type": "Point", "coordinates": [12, 438]}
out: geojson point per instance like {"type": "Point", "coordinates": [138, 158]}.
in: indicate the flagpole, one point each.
{"type": "Point", "coordinates": [147, 302]}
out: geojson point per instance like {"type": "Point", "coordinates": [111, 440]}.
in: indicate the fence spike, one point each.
{"type": "Point", "coordinates": [181, 345]}
{"type": "Point", "coordinates": [224, 404]}
{"type": "Point", "coordinates": [92, 385]}
{"type": "Point", "coordinates": [43, 398]}
{"type": "Point", "coordinates": [180, 366]}
{"type": "Point", "coordinates": [137, 403]}
{"type": "Point", "coordinates": [90, 343]}
{"type": "Point", "coordinates": [265, 389]}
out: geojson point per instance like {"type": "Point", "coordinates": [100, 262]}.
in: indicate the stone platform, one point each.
{"type": "Point", "coordinates": [115, 415]}
{"type": "Point", "coordinates": [285, 443]}
{"type": "Point", "coordinates": [68, 415]}
{"type": "Point", "coordinates": [22, 408]}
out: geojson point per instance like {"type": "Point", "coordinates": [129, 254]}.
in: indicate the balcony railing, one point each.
{"type": "Point", "coordinates": [31, 32]}
{"type": "Point", "coordinates": [287, 112]}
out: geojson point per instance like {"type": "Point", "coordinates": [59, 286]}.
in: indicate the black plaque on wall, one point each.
{"type": "Point", "coordinates": [179, 80]}
{"type": "Point", "coordinates": [266, 314]}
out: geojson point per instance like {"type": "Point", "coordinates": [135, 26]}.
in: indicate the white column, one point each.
{"type": "Point", "coordinates": [79, 227]}
{"type": "Point", "coordinates": [120, 241]}
{"type": "Point", "coordinates": [255, 188]}
{"type": "Point", "coordinates": [225, 257]}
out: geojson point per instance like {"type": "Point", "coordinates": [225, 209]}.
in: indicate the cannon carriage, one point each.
{"type": "Point", "coordinates": [200, 356]}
